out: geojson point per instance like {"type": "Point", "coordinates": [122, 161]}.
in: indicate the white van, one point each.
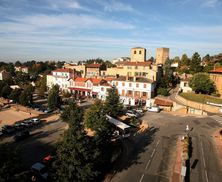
{"type": "Point", "coordinates": [153, 109]}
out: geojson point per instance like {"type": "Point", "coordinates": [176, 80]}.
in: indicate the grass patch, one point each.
{"type": "Point", "coordinates": [201, 98]}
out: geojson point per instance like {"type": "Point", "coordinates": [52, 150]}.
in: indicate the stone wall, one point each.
{"type": "Point", "coordinates": [199, 106]}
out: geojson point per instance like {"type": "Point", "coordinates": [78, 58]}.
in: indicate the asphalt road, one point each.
{"type": "Point", "coordinates": [151, 156]}
{"type": "Point", "coordinates": [40, 143]}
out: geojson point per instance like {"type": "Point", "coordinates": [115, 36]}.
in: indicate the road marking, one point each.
{"type": "Point", "coordinates": [148, 163]}
{"type": "Point", "coordinates": [204, 161]}
{"type": "Point", "coordinates": [217, 118]}
{"type": "Point", "coordinates": [153, 152]}
{"type": "Point", "coordinates": [141, 178]}
{"type": "Point", "coordinates": [157, 143]}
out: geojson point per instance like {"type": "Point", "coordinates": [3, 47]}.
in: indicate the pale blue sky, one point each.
{"type": "Point", "coordinates": [82, 29]}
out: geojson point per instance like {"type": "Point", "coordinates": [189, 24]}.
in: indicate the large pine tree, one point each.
{"type": "Point", "coordinates": [76, 155]}
{"type": "Point", "coordinates": [113, 106]}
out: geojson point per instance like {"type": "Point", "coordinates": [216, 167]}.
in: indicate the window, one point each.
{"type": "Point", "coordinates": [102, 89]}
{"type": "Point", "coordinates": [116, 83]}
{"type": "Point", "coordinates": [123, 84]}
{"type": "Point", "coordinates": [130, 84]}
{"type": "Point", "coordinates": [123, 92]}
{"type": "Point", "coordinates": [136, 67]}
{"type": "Point", "coordinates": [137, 85]}
{"type": "Point", "coordinates": [134, 52]}
{"type": "Point", "coordinates": [185, 84]}
{"type": "Point", "coordinates": [140, 52]}
{"type": "Point", "coordinates": [144, 94]}
{"type": "Point", "coordinates": [144, 85]}
{"type": "Point", "coordinates": [130, 92]}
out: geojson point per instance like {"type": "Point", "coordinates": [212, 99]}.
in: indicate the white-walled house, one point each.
{"type": "Point", "coordinates": [184, 86]}
{"type": "Point", "coordinates": [60, 77]}
{"type": "Point", "coordinates": [134, 92]}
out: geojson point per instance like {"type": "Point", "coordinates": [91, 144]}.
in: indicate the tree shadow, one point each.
{"type": "Point", "coordinates": [131, 149]}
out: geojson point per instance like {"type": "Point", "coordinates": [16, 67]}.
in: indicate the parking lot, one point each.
{"type": "Point", "coordinates": [10, 116]}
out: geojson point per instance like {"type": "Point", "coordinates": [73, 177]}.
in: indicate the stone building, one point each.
{"type": "Point", "coordinates": [138, 54]}
{"type": "Point", "coordinates": [162, 54]}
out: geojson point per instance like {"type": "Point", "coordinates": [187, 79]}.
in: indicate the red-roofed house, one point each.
{"type": "Point", "coordinates": [216, 76]}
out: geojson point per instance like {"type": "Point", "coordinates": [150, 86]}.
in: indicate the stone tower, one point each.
{"type": "Point", "coordinates": [162, 54]}
{"type": "Point", "coordinates": [138, 54]}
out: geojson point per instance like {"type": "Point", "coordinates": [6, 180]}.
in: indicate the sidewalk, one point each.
{"type": "Point", "coordinates": [218, 145]}
{"type": "Point", "coordinates": [176, 177]}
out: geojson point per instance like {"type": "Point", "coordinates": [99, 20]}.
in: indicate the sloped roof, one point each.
{"type": "Point", "coordinates": [96, 80]}
{"type": "Point", "coordinates": [163, 102]}
{"type": "Point", "coordinates": [80, 79]}
{"type": "Point", "coordinates": [94, 65]}
{"type": "Point", "coordinates": [218, 70]}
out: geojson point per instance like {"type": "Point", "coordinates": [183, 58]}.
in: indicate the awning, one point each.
{"type": "Point", "coordinates": [80, 89]}
{"type": "Point", "coordinates": [94, 93]}
{"type": "Point", "coordinates": [117, 123]}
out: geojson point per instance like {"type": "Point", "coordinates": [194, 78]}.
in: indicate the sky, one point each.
{"type": "Point", "coordinates": [73, 30]}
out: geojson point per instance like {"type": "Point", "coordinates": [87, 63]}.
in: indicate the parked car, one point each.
{"type": "Point", "coordinates": [40, 169]}
{"type": "Point", "coordinates": [48, 111]}
{"type": "Point", "coordinates": [35, 121]}
{"type": "Point", "coordinates": [19, 126]}
{"type": "Point", "coordinates": [132, 114]}
{"type": "Point", "coordinates": [21, 135]}
{"type": "Point", "coordinates": [153, 109]}
{"type": "Point", "coordinates": [7, 129]}
{"type": "Point", "coordinates": [139, 112]}
{"type": "Point", "coordinates": [26, 124]}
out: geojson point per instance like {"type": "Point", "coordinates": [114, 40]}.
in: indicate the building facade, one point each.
{"type": "Point", "coordinates": [134, 93]}
{"type": "Point", "coordinates": [138, 54]}
{"type": "Point", "coordinates": [4, 75]}
{"type": "Point", "coordinates": [60, 77]}
{"type": "Point", "coordinates": [23, 69]}
{"type": "Point", "coordinates": [216, 76]}
{"type": "Point", "coordinates": [162, 54]}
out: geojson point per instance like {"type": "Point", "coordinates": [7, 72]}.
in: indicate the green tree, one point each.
{"type": "Point", "coordinates": [6, 91]}
{"type": "Point", "coordinates": [26, 97]}
{"type": "Point", "coordinates": [10, 163]}
{"type": "Point", "coordinates": [18, 63]}
{"type": "Point", "coordinates": [162, 91]}
{"type": "Point", "coordinates": [54, 100]}
{"type": "Point", "coordinates": [184, 60]}
{"type": "Point", "coordinates": [95, 119]}
{"type": "Point", "coordinates": [15, 94]}
{"type": "Point", "coordinates": [201, 83]}
{"type": "Point", "coordinates": [112, 106]}
{"type": "Point", "coordinates": [41, 87]}
{"type": "Point", "coordinates": [76, 156]}
{"type": "Point", "coordinates": [195, 63]}
{"type": "Point", "coordinates": [72, 109]}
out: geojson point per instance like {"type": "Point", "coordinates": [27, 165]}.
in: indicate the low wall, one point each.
{"type": "Point", "coordinates": [199, 106]}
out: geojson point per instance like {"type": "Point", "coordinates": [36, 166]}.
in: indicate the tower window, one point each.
{"type": "Point", "coordinates": [134, 52]}
{"type": "Point", "coordinates": [140, 52]}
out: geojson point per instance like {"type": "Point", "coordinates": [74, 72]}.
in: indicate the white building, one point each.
{"type": "Point", "coordinates": [184, 86]}
{"type": "Point", "coordinates": [60, 77]}
{"type": "Point", "coordinates": [134, 92]}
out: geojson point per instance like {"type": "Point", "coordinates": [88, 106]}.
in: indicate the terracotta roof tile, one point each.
{"type": "Point", "coordinates": [163, 102]}
{"type": "Point", "coordinates": [79, 79]}
{"type": "Point", "coordinates": [93, 65]}
{"type": "Point", "coordinates": [218, 70]}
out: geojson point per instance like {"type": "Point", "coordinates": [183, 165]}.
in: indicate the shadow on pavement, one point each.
{"type": "Point", "coordinates": [132, 147]}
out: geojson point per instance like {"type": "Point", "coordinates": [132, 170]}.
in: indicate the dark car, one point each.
{"type": "Point", "coordinates": [19, 126]}
{"type": "Point", "coordinates": [21, 135]}
{"type": "Point", "coordinates": [7, 129]}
